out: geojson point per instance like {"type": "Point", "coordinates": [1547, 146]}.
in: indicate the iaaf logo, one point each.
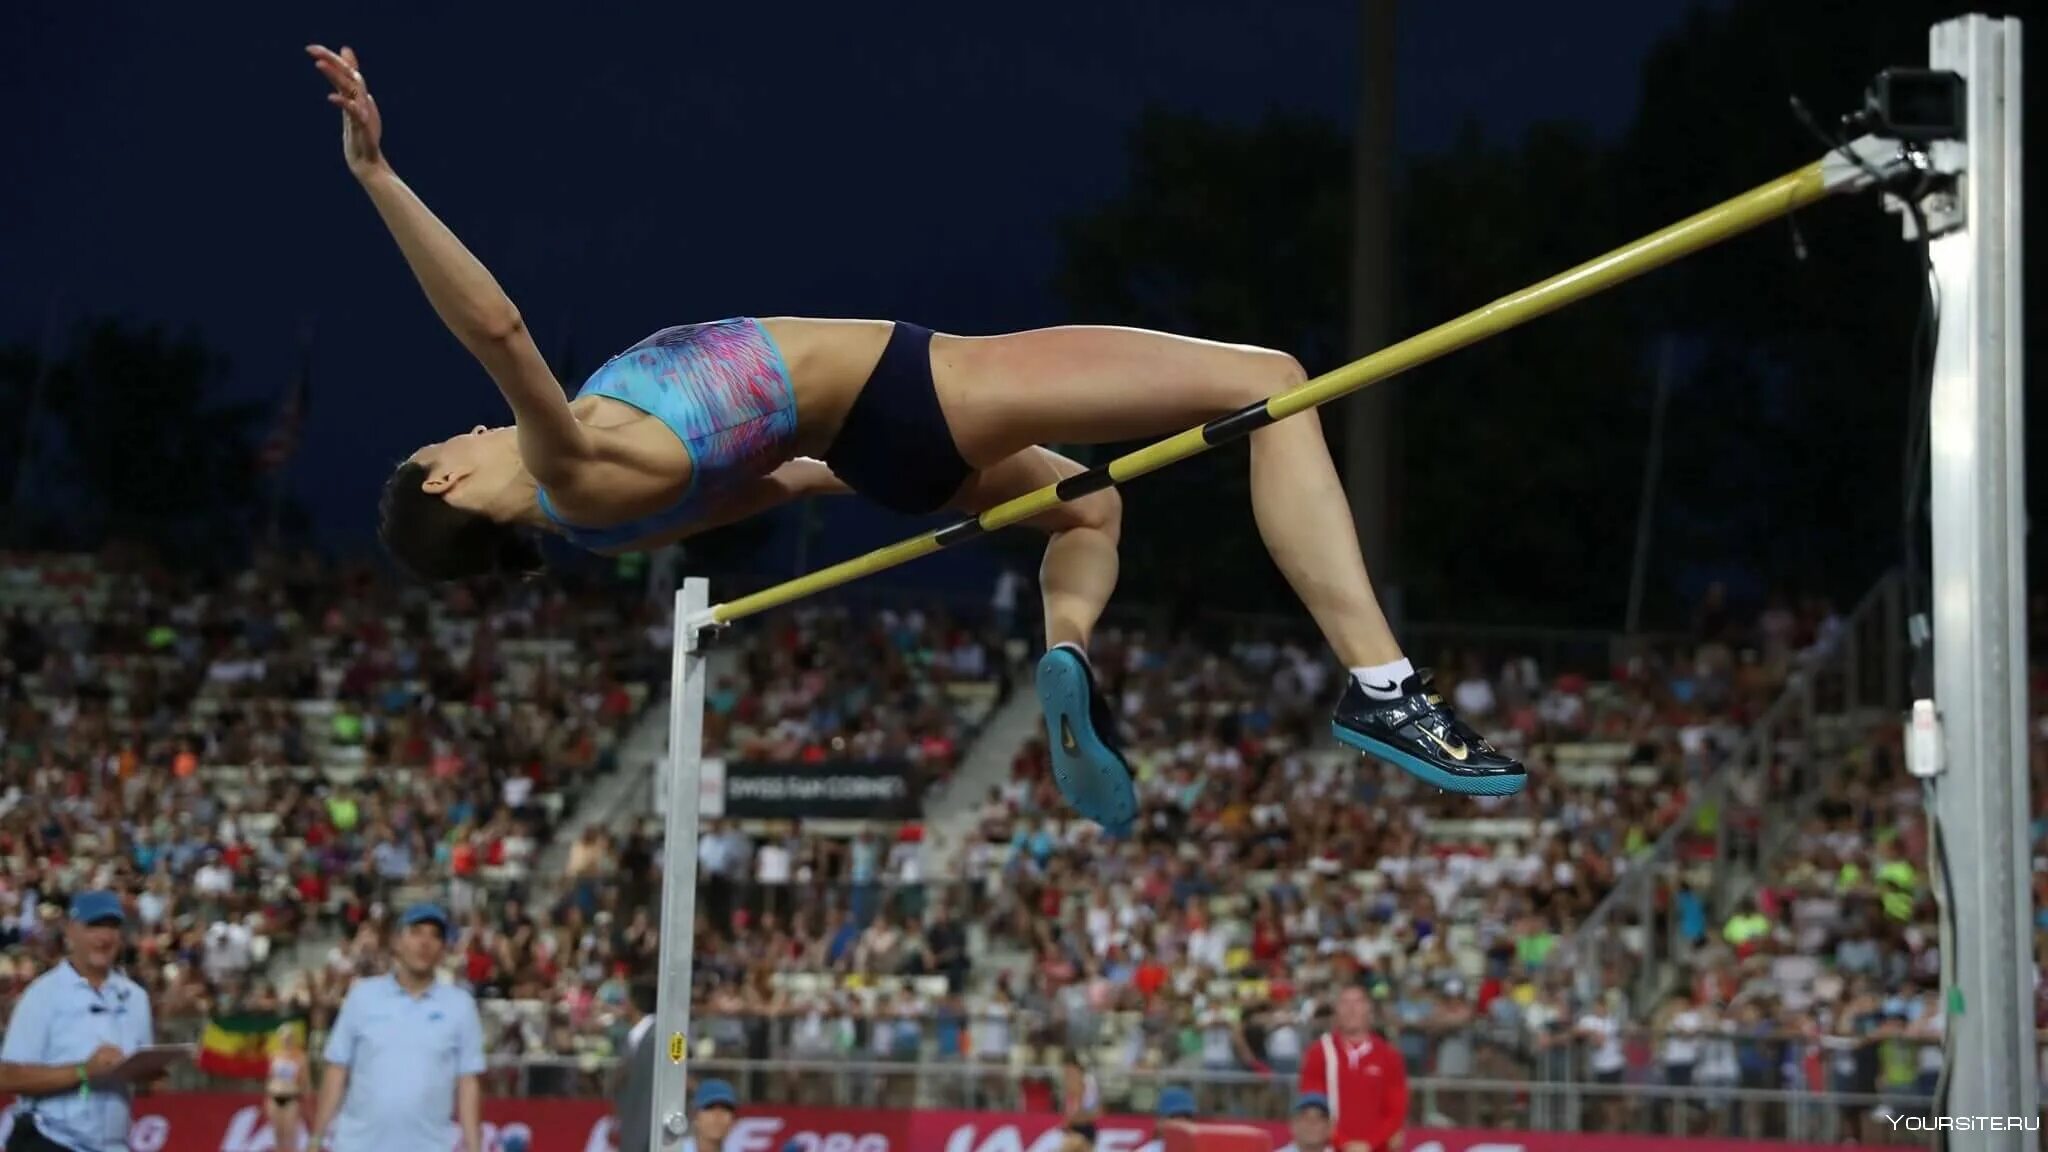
{"type": "Point", "coordinates": [764, 1134]}
{"type": "Point", "coordinates": [248, 1132]}
{"type": "Point", "coordinates": [1007, 1138]}
{"type": "Point", "coordinates": [146, 1134]}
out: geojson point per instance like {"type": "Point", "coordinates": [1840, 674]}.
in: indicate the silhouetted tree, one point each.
{"type": "Point", "coordinates": [1242, 234]}
{"type": "Point", "coordinates": [134, 446]}
{"type": "Point", "coordinates": [1521, 457]}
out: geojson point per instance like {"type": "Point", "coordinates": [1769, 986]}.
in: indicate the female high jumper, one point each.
{"type": "Point", "coordinates": [706, 424]}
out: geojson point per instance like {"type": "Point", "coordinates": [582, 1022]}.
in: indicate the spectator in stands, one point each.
{"type": "Point", "coordinates": [1600, 1033]}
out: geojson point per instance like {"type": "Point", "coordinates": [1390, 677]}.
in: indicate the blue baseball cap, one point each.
{"type": "Point", "coordinates": [425, 914]}
{"type": "Point", "coordinates": [716, 1094]}
{"type": "Point", "coordinates": [1312, 1100]}
{"type": "Point", "coordinates": [97, 907]}
{"type": "Point", "coordinates": [1176, 1104]}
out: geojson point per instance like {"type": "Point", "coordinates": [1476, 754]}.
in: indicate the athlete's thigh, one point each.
{"type": "Point", "coordinates": [1025, 472]}
{"type": "Point", "coordinates": [1093, 385]}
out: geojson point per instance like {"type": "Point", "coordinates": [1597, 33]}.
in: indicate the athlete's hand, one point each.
{"type": "Point", "coordinates": [362, 129]}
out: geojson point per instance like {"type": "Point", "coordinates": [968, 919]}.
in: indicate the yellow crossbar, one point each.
{"type": "Point", "coordinates": [1732, 217]}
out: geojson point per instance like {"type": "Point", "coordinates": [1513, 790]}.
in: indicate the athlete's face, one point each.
{"type": "Point", "coordinates": [467, 469]}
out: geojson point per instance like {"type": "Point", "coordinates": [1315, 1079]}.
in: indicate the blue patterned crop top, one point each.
{"type": "Point", "coordinates": [724, 389]}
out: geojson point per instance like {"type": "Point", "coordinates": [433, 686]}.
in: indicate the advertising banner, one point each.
{"type": "Point", "coordinates": [234, 1123]}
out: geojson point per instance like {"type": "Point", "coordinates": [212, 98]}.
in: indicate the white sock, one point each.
{"type": "Point", "coordinates": [1383, 681]}
{"type": "Point", "coordinates": [1077, 650]}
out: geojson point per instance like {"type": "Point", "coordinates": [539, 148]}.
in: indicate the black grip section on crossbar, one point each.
{"type": "Point", "coordinates": [1243, 422]}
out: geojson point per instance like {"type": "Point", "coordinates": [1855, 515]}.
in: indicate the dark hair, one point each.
{"type": "Point", "coordinates": [434, 540]}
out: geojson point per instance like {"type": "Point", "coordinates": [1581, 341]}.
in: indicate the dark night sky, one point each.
{"type": "Point", "coordinates": [623, 167]}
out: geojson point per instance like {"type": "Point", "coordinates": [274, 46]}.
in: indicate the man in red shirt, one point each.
{"type": "Point", "coordinates": [1362, 1077]}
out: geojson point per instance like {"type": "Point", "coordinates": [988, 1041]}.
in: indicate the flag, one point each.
{"type": "Point", "coordinates": [238, 1045]}
{"type": "Point", "coordinates": [282, 444]}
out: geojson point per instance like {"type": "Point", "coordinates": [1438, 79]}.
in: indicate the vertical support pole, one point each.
{"type": "Point", "coordinates": [671, 1035]}
{"type": "Point", "coordinates": [1646, 502]}
{"type": "Point", "coordinates": [1798, 780]}
{"type": "Point", "coordinates": [1646, 911]}
{"type": "Point", "coordinates": [1852, 667]}
{"type": "Point", "coordinates": [1723, 796]}
{"type": "Point", "coordinates": [1369, 417]}
{"type": "Point", "coordinates": [1976, 431]}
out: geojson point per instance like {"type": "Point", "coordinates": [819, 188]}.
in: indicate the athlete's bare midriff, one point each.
{"type": "Point", "coordinates": [829, 361]}
{"type": "Point", "coordinates": [642, 468]}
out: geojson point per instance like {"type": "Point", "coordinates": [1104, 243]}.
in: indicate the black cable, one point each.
{"type": "Point", "coordinates": [1920, 399]}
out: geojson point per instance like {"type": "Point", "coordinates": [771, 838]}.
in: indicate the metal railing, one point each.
{"type": "Point", "coordinates": [1744, 810]}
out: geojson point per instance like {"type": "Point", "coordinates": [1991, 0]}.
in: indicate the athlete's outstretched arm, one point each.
{"type": "Point", "coordinates": [470, 303]}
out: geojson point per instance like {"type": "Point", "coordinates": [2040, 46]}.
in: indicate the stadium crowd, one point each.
{"type": "Point", "coordinates": [280, 758]}
{"type": "Point", "coordinates": [821, 682]}
{"type": "Point", "coordinates": [283, 757]}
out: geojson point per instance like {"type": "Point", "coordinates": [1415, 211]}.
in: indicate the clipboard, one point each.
{"type": "Point", "coordinates": [147, 1063]}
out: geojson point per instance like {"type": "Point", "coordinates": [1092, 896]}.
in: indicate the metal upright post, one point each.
{"type": "Point", "coordinates": [1979, 591]}
{"type": "Point", "coordinates": [1369, 466]}
{"type": "Point", "coordinates": [679, 866]}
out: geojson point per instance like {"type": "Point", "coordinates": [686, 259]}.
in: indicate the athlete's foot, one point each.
{"type": "Point", "coordinates": [1417, 732]}
{"type": "Point", "coordinates": [1087, 760]}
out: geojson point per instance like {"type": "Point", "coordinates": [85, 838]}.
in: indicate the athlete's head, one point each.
{"type": "Point", "coordinates": [453, 510]}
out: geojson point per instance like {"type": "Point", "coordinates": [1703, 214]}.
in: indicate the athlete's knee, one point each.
{"type": "Point", "coordinates": [1100, 511]}
{"type": "Point", "coordinates": [1268, 372]}
{"type": "Point", "coordinates": [1104, 511]}
{"type": "Point", "coordinates": [1285, 368]}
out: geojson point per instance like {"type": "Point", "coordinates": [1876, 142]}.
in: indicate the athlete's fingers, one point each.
{"type": "Point", "coordinates": [348, 57]}
{"type": "Point", "coordinates": [344, 76]}
{"type": "Point", "coordinates": [336, 76]}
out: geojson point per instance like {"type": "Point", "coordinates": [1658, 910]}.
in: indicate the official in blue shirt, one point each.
{"type": "Point", "coordinates": [405, 1053]}
{"type": "Point", "coordinates": [72, 1026]}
